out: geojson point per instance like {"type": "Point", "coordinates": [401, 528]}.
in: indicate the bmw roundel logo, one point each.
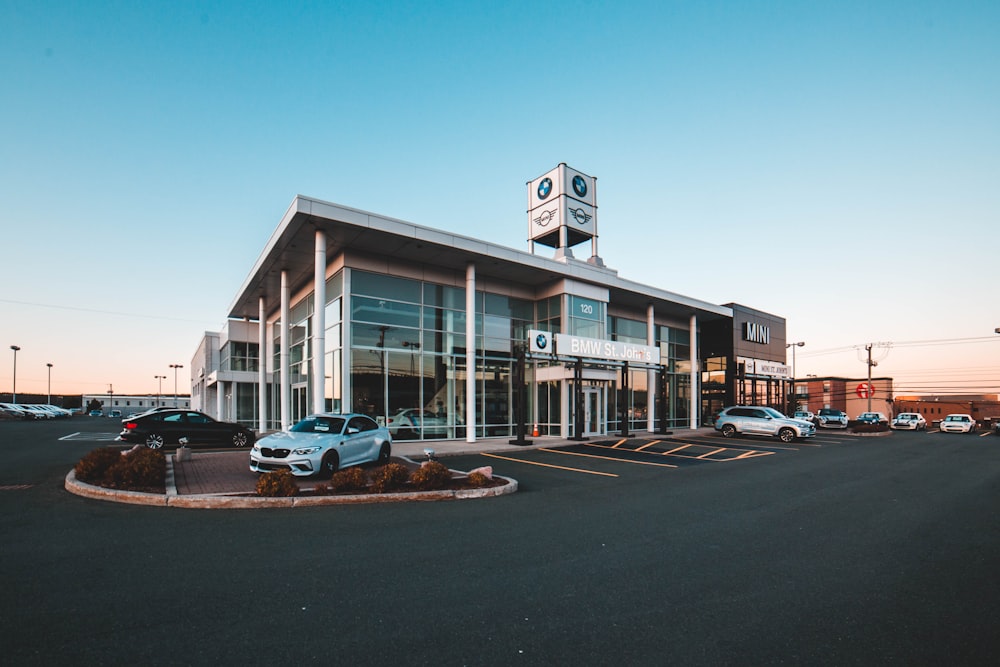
{"type": "Point", "coordinates": [545, 188]}
{"type": "Point", "coordinates": [542, 341]}
{"type": "Point", "coordinates": [579, 186]}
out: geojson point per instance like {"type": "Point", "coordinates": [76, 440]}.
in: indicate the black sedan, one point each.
{"type": "Point", "coordinates": [186, 427]}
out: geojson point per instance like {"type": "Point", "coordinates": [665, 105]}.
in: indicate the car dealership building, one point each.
{"type": "Point", "coordinates": [439, 335]}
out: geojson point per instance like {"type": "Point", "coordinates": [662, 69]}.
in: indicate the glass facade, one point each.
{"type": "Point", "coordinates": [395, 349]}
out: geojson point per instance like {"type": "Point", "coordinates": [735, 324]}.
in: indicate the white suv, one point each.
{"type": "Point", "coordinates": [758, 420]}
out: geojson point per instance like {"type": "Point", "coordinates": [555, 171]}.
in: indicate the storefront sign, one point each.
{"type": "Point", "coordinates": [592, 348]}
{"type": "Point", "coordinates": [761, 368]}
{"type": "Point", "coordinates": [756, 333]}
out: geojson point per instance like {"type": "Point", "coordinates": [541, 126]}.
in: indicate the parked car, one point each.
{"type": "Point", "coordinates": [872, 418]}
{"type": "Point", "coordinates": [35, 411]}
{"type": "Point", "coordinates": [913, 421]}
{"type": "Point", "coordinates": [413, 422]}
{"type": "Point", "coordinates": [15, 411]}
{"type": "Point", "coordinates": [757, 420]}
{"type": "Point", "coordinates": [321, 444]}
{"type": "Point", "coordinates": [804, 415]}
{"type": "Point", "coordinates": [958, 423]}
{"type": "Point", "coordinates": [195, 428]}
{"type": "Point", "coordinates": [96, 413]}
{"type": "Point", "coordinates": [830, 418]}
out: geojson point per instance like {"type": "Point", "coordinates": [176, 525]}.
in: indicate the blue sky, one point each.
{"type": "Point", "coordinates": [836, 163]}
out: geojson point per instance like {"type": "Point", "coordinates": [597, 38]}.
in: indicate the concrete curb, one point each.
{"type": "Point", "coordinates": [228, 501]}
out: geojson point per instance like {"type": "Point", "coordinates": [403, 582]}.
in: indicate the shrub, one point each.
{"type": "Point", "coordinates": [138, 469]}
{"type": "Point", "coordinates": [477, 479]}
{"type": "Point", "coordinates": [869, 428]}
{"type": "Point", "coordinates": [431, 475]}
{"type": "Point", "coordinates": [349, 479]}
{"type": "Point", "coordinates": [92, 467]}
{"type": "Point", "coordinates": [389, 477]}
{"type": "Point", "coordinates": [277, 484]}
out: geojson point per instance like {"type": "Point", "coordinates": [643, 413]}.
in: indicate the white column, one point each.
{"type": "Point", "coordinates": [470, 352]}
{"type": "Point", "coordinates": [319, 326]}
{"type": "Point", "coordinates": [346, 352]}
{"type": "Point", "coordinates": [285, 395]}
{"type": "Point", "coordinates": [261, 366]}
{"type": "Point", "coordinates": [695, 388]}
{"type": "Point", "coordinates": [220, 401]}
{"type": "Point", "coordinates": [651, 394]}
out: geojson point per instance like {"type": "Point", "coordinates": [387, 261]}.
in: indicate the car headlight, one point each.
{"type": "Point", "coordinates": [301, 451]}
{"type": "Point", "coordinates": [256, 448]}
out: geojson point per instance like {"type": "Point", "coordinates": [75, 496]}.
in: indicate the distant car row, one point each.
{"type": "Point", "coordinates": [911, 421]}
{"type": "Point", "coordinates": [32, 411]}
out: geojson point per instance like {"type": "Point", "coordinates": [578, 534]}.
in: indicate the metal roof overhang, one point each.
{"type": "Point", "coordinates": [291, 248]}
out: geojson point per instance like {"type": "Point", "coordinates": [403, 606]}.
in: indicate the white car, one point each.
{"type": "Point", "coordinates": [413, 422]}
{"type": "Point", "coordinates": [804, 415]}
{"type": "Point", "coordinates": [830, 418]}
{"type": "Point", "coordinates": [322, 444]}
{"type": "Point", "coordinates": [913, 421]}
{"type": "Point", "coordinates": [958, 423]}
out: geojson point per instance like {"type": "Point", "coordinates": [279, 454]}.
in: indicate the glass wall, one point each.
{"type": "Point", "coordinates": [408, 364]}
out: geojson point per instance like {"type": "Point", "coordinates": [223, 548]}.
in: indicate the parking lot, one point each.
{"type": "Point", "coordinates": [698, 551]}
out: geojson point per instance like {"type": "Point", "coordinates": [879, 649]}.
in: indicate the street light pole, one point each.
{"type": "Point", "coordinates": [50, 384]}
{"type": "Point", "coordinates": [175, 367]}
{"type": "Point", "coordinates": [14, 388]}
{"type": "Point", "coordinates": [159, 389]}
{"type": "Point", "coordinates": [792, 403]}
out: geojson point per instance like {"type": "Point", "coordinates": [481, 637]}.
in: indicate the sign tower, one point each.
{"type": "Point", "coordinates": [562, 212]}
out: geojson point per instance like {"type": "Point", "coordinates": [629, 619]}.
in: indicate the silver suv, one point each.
{"type": "Point", "coordinates": [757, 420]}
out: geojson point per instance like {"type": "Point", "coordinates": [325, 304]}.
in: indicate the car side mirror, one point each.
{"type": "Point", "coordinates": [352, 431]}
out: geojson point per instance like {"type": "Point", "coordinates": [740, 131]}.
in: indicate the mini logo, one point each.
{"type": "Point", "coordinates": [542, 341]}
{"type": "Point", "coordinates": [545, 218]}
{"type": "Point", "coordinates": [579, 186]}
{"type": "Point", "coordinates": [580, 215]}
{"type": "Point", "coordinates": [545, 188]}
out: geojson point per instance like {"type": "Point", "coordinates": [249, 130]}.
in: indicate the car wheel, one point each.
{"type": "Point", "coordinates": [728, 430]}
{"type": "Point", "coordinates": [240, 439]}
{"type": "Point", "coordinates": [385, 453]}
{"type": "Point", "coordinates": [786, 435]}
{"type": "Point", "coordinates": [154, 441]}
{"type": "Point", "coordinates": [330, 465]}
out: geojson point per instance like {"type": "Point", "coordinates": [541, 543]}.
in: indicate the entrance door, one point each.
{"type": "Point", "coordinates": [593, 411]}
{"type": "Point", "coordinates": [300, 403]}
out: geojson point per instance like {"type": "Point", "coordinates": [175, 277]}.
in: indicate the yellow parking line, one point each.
{"type": "Point", "coordinates": [750, 455]}
{"type": "Point", "coordinates": [983, 435]}
{"type": "Point", "coordinates": [707, 454]}
{"type": "Point", "coordinates": [649, 444]}
{"type": "Point", "coordinates": [547, 465]}
{"type": "Point", "coordinates": [608, 458]}
{"type": "Point", "coordinates": [677, 449]}
{"type": "Point", "coordinates": [620, 442]}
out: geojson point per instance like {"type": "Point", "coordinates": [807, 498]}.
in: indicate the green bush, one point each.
{"type": "Point", "coordinates": [349, 479]}
{"type": "Point", "coordinates": [277, 484]}
{"type": "Point", "coordinates": [389, 477]}
{"type": "Point", "coordinates": [431, 475]}
{"type": "Point", "coordinates": [92, 467]}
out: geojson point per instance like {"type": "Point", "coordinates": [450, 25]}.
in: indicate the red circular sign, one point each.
{"type": "Point", "coordinates": [865, 390]}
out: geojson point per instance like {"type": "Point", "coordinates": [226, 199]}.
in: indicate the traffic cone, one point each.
{"type": "Point", "coordinates": [534, 431]}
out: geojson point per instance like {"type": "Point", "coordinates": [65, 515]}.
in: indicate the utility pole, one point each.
{"type": "Point", "coordinates": [871, 363]}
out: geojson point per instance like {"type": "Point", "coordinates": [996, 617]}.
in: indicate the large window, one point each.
{"type": "Point", "coordinates": [238, 356]}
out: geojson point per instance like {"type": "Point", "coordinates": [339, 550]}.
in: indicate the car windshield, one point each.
{"type": "Point", "coordinates": [319, 425]}
{"type": "Point", "coordinates": [774, 413]}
